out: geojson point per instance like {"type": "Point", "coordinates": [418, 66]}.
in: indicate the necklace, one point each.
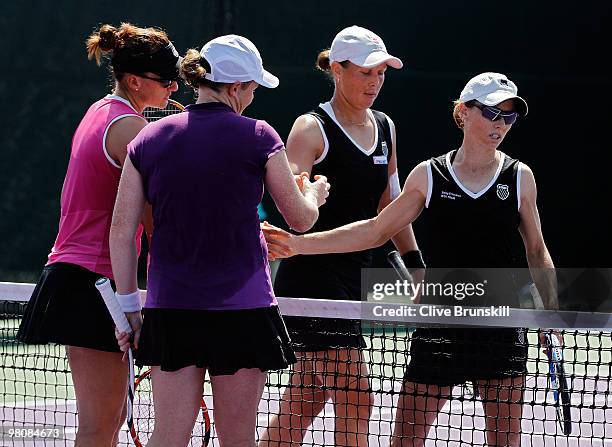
{"type": "Point", "coordinates": [351, 123]}
{"type": "Point", "coordinates": [358, 124]}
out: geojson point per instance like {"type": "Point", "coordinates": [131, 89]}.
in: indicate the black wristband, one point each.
{"type": "Point", "coordinates": [413, 260]}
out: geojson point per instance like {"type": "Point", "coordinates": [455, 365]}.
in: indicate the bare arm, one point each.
{"type": "Point", "coordinates": [373, 232]}
{"type": "Point", "coordinates": [128, 212]}
{"type": "Point", "coordinates": [305, 144]}
{"type": "Point", "coordinates": [540, 263]}
{"type": "Point", "coordinates": [120, 134]}
{"type": "Point", "coordinates": [298, 205]}
{"type": "Point", "coordinates": [300, 209]}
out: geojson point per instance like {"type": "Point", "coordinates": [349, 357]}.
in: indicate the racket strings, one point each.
{"type": "Point", "coordinates": [153, 114]}
{"type": "Point", "coordinates": [144, 415]}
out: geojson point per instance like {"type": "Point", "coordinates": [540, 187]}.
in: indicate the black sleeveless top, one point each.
{"type": "Point", "coordinates": [358, 180]}
{"type": "Point", "coordinates": [466, 230]}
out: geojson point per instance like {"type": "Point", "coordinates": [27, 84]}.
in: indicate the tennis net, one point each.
{"type": "Point", "coordinates": [341, 395]}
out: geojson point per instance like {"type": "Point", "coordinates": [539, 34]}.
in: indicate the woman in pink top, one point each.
{"type": "Point", "coordinates": [66, 307]}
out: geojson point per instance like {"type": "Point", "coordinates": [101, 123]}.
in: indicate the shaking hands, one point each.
{"type": "Point", "coordinates": [319, 189]}
{"type": "Point", "coordinates": [282, 244]}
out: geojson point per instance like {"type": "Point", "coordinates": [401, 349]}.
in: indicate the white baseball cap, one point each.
{"type": "Point", "coordinates": [235, 58]}
{"type": "Point", "coordinates": [362, 47]}
{"type": "Point", "coordinates": [492, 88]}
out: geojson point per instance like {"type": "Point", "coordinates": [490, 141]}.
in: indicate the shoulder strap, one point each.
{"type": "Point", "coordinates": [383, 124]}
{"type": "Point", "coordinates": [319, 114]}
{"type": "Point", "coordinates": [511, 162]}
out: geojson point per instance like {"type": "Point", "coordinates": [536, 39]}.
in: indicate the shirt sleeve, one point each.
{"type": "Point", "coordinates": [270, 141]}
{"type": "Point", "coordinates": [135, 149]}
{"type": "Point", "coordinates": [134, 153]}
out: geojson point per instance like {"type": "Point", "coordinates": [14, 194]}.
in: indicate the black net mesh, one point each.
{"type": "Point", "coordinates": [352, 396]}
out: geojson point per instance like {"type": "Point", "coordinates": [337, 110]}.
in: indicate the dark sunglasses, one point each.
{"type": "Point", "coordinates": [164, 82]}
{"type": "Point", "coordinates": [493, 113]}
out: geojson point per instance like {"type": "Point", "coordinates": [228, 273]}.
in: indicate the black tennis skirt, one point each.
{"type": "Point", "coordinates": [451, 356]}
{"type": "Point", "coordinates": [66, 308]}
{"type": "Point", "coordinates": [221, 341]}
{"type": "Point", "coordinates": [323, 334]}
{"type": "Point", "coordinates": [311, 277]}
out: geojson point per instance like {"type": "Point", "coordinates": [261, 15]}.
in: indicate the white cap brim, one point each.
{"type": "Point", "coordinates": [268, 80]}
{"type": "Point", "coordinates": [492, 99]}
{"type": "Point", "coordinates": [376, 58]}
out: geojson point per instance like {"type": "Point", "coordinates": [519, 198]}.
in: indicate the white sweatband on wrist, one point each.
{"type": "Point", "coordinates": [394, 186]}
{"type": "Point", "coordinates": [129, 302]}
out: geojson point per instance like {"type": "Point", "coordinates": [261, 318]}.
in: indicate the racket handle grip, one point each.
{"type": "Point", "coordinates": [108, 295]}
{"type": "Point", "coordinates": [395, 259]}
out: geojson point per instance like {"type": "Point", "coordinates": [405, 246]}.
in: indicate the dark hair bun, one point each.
{"type": "Point", "coordinates": [323, 62]}
{"type": "Point", "coordinates": [108, 37]}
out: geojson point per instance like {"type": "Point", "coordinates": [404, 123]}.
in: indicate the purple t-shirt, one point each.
{"type": "Point", "coordinates": [203, 173]}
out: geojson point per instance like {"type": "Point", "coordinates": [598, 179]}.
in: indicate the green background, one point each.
{"type": "Point", "coordinates": [554, 51]}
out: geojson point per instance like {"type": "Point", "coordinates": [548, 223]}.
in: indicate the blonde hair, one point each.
{"type": "Point", "coordinates": [457, 111]}
{"type": "Point", "coordinates": [193, 69]}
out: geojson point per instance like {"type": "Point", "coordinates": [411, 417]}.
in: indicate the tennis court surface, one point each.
{"type": "Point", "coordinates": [36, 389]}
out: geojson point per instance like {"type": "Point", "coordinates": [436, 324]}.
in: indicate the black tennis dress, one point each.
{"type": "Point", "coordinates": [358, 176]}
{"type": "Point", "coordinates": [476, 233]}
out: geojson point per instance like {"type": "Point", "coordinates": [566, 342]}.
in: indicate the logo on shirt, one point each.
{"type": "Point", "coordinates": [385, 149]}
{"type": "Point", "coordinates": [449, 195]}
{"type": "Point", "coordinates": [380, 159]}
{"type": "Point", "coordinates": [503, 192]}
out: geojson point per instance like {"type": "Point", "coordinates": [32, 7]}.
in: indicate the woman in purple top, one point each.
{"type": "Point", "coordinates": [210, 304]}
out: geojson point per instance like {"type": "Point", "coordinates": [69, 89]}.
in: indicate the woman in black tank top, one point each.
{"type": "Point", "coordinates": [342, 139]}
{"type": "Point", "coordinates": [476, 200]}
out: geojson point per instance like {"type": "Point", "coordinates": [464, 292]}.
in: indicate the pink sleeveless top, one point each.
{"type": "Point", "coordinates": [89, 191]}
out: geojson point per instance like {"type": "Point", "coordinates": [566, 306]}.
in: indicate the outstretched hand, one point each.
{"type": "Point", "coordinates": [280, 243]}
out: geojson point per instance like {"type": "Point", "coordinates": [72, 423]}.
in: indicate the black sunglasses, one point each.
{"type": "Point", "coordinates": [164, 82]}
{"type": "Point", "coordinates": [493, 113]}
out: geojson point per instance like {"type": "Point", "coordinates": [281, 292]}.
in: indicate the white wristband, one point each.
{"type": "Point", "coordinates": [129, 302]}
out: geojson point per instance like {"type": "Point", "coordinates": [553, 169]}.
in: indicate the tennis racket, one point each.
{"type": "Point", "coordinates": [153, 114]}
{"type": "Point", "coordinates": [395, 259]}
{"type": "Point", "coordinates": [144, 415]}
{"type": "Point", "coordinates": [558, 382]}
{"type": "Point", "coordinates": [140, 413]}
{"type": "Point", "coordinates": [114, 308]}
